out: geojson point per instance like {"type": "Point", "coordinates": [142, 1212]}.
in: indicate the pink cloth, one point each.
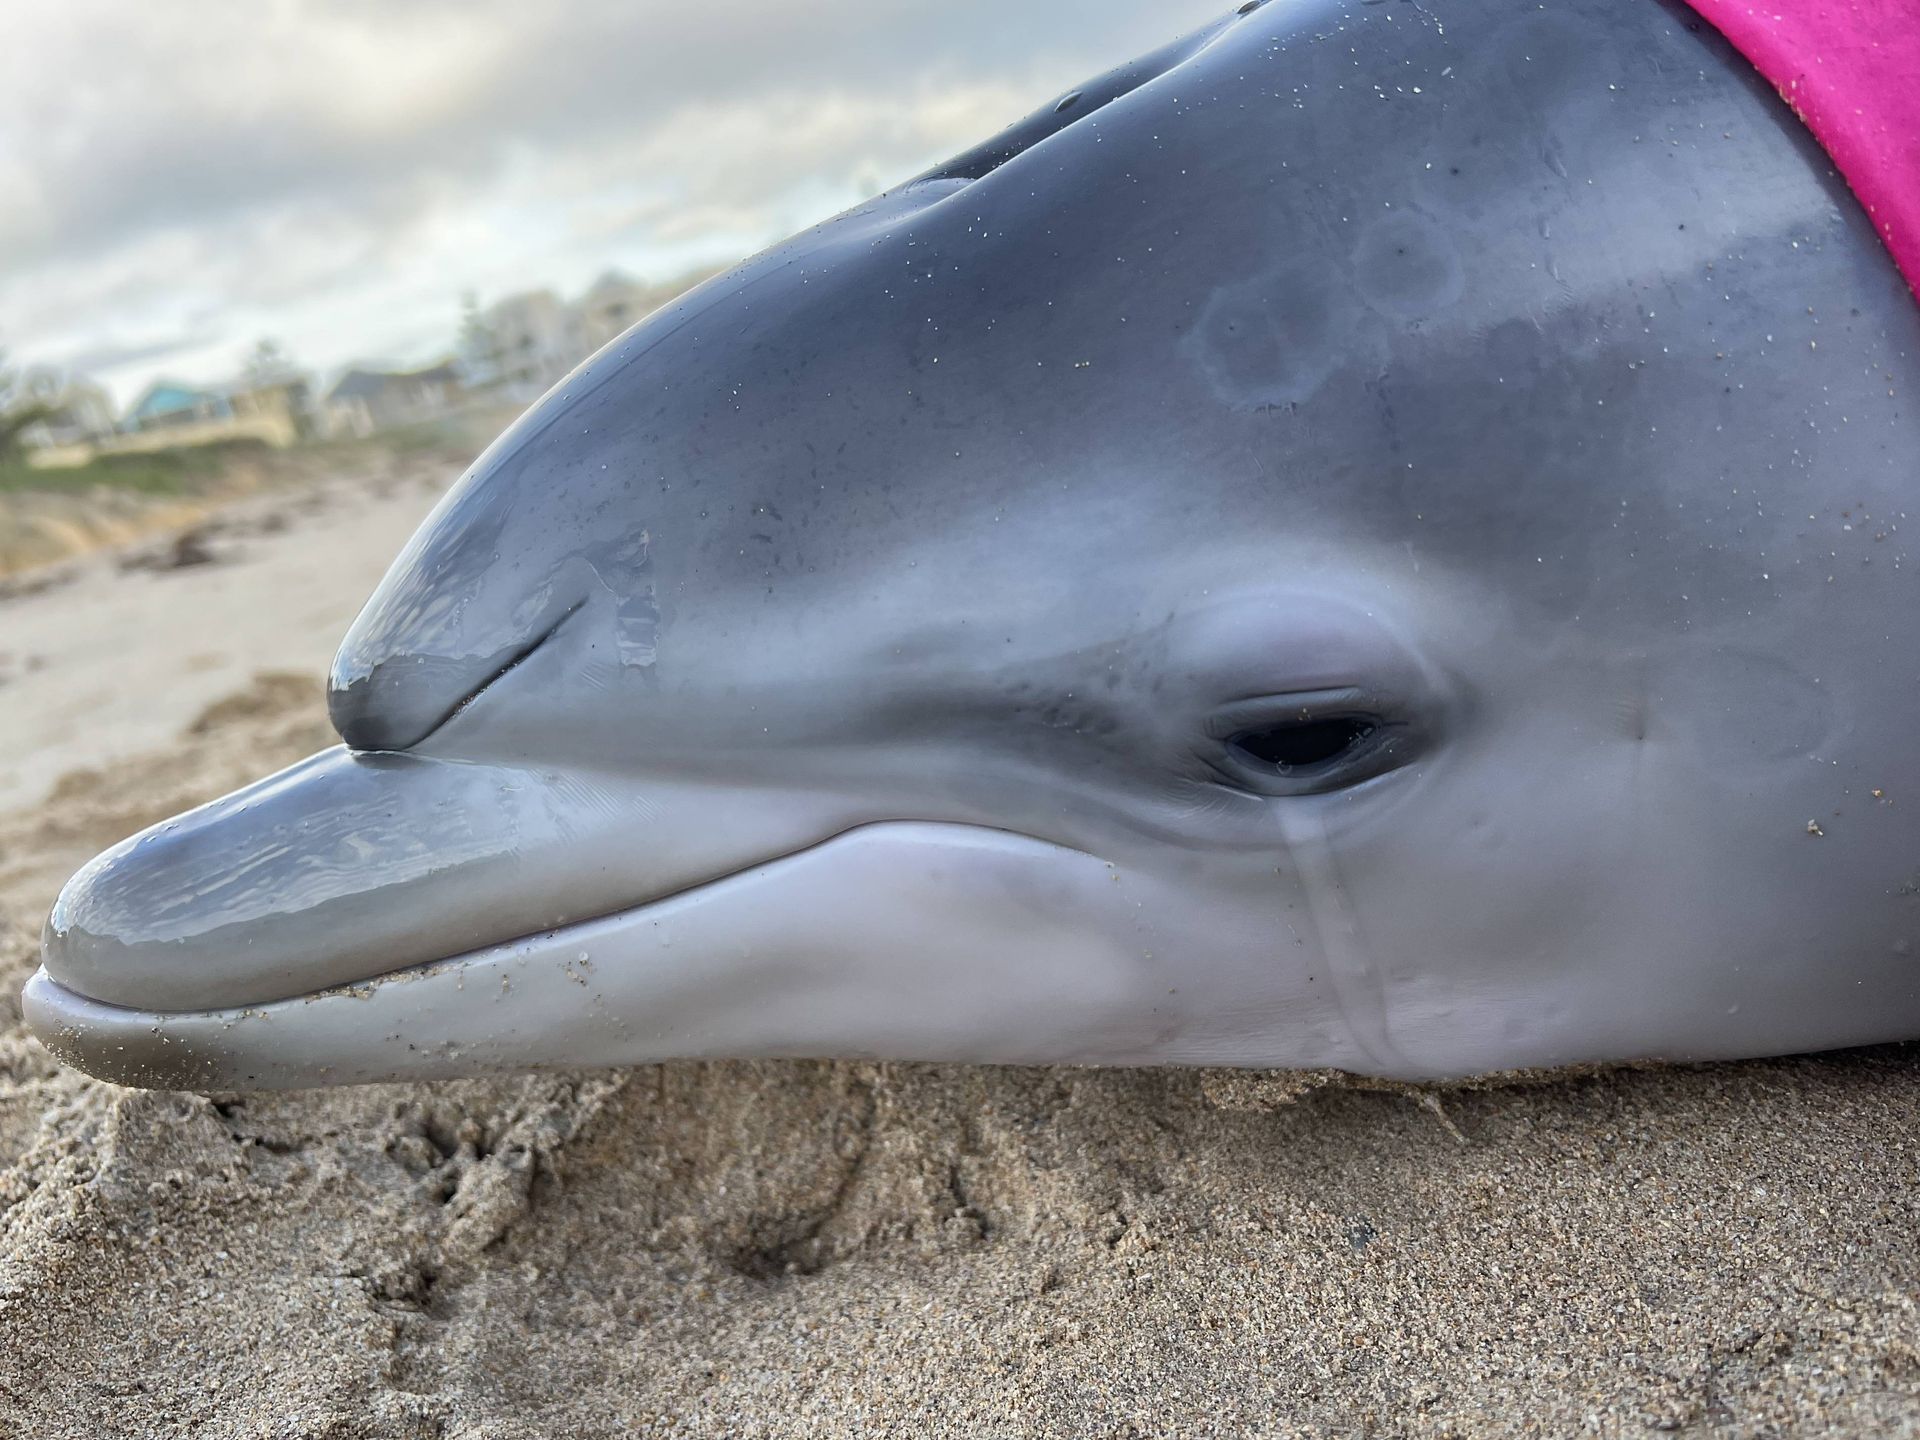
{"type": "Point", "coordinates": [1851, 70]}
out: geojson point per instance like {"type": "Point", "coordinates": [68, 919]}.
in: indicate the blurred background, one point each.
{"type": "Point", "coordinates": [272, 272]}
{"type": "Point", "coordinates": [233, 219]}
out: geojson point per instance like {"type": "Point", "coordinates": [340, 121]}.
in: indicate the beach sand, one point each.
{"type": "Point", "coordinates": [863, 1249]}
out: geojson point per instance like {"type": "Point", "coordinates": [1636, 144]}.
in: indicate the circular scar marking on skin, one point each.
{"type": "Point", "coordinates": [1275, 338]}
{"type": "Point", "coordinates": [1407, 266]}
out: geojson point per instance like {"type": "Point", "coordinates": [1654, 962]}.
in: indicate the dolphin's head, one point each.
{"type": "Point", "coordinates": [1369, 538]}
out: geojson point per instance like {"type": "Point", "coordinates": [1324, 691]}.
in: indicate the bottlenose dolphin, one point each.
{"type": "Point", "coordinates": [1373, 537]}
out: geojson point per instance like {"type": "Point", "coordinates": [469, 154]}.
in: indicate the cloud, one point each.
{"type": "Point", "coordinates": [115, 354]}
{"type": "Point", "coordinates": [335, 172]}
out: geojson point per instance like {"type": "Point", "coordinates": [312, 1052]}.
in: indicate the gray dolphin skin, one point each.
{"type": "Point", "coordinates": [1373, 537]}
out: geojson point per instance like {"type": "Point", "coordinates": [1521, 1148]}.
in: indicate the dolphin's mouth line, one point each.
{"type": "Point", "coordinates": [627, 914]}
{"type": "Point", "coordinates": [512, 660]}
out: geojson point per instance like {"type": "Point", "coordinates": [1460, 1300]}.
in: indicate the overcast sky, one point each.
{"type": "Point", "coordinates": [179, 180]}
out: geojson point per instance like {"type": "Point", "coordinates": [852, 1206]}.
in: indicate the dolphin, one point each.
{"type": "Point", "coordinates": [1373, 537]}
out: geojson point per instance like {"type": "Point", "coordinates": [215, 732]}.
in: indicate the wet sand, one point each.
{"type": "Point", "coordinates": [859, 1249]}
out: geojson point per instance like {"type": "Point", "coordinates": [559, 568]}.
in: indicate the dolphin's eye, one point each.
{"type": "Point", "coordinates": [1306, 744]}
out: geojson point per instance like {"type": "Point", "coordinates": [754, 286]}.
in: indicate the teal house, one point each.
{"type": "Point", "coordinates": [168, 402]}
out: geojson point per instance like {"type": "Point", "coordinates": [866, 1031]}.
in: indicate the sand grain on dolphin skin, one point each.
{"type": "Point", "coordinates": [1360, 543]}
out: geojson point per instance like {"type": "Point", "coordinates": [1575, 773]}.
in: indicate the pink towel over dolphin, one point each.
{"type": "Point", "coordinates": [1851, 70]}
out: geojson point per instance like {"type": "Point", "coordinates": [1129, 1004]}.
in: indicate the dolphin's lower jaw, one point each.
{"type": "Point", "coordinates": [918, 938]}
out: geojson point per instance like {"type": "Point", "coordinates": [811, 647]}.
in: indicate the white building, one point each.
{"type": "Point", "coordinates": [74, 410]}
{"type": "Point", "coordinates": [533, 339]}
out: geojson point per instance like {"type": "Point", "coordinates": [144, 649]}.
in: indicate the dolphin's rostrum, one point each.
{"type": "Point", "coordinates": [1375, 537]}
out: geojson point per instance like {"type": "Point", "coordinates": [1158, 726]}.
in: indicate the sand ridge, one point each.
{"type": "Point", "coordinates": [816, 1249]}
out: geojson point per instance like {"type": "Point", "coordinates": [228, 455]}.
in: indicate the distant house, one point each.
{"type": "Point", "coordinates": [274, 409]}
{"type": "Point", "coordinates": [280, 402]}
{"type": "Point", "coordinates": [611, 305]}
{"type": "Point", "coordinates": [364, 401]}
{"type": "Point", "coordinates": [521, 346]}
{"type": "Point", "coordinates": [72, 409]}
{"type": "Point", "coordinates": [169, 403]}
{"type": "Point", "coordinates": [616, 302]}
{"type": "Point", "coordinates": [269, 410]}
{"type": "Point", "coordinates": [534, 339]}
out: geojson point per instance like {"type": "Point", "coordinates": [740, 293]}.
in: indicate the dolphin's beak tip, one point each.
{"type": "Point", "coordinates": [78, 949]}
